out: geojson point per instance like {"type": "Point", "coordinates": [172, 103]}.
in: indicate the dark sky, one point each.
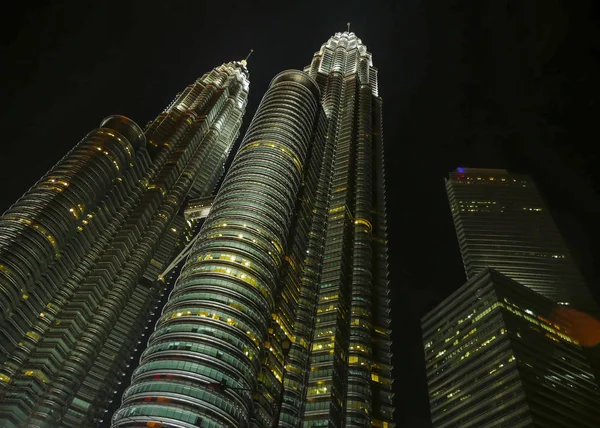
{"type": "Point", "coordinates": [488, 83]}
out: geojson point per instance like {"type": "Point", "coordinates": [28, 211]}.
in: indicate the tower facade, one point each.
{"type": "Point", "coordinates": [499, 354]}
{"type": "Point", "coordinates": [280, 316]}
{"type": "Point", "coordinates": [82, 251]}
{"type": "Point", "coordinates": [502, 222]}
{"type": "Point", "coordinates": [509, 346]}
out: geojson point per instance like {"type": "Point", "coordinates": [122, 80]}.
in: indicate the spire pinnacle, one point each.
{"type": "Point", "coordinates": [348, 24]}
{"type": "Point", "coordinates": [245, 60]}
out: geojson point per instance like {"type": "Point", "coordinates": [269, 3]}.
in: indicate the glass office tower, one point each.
{"type": "Point", "coordinates": [509, 348]}
{"type": "Point", "coordinates": [502, 222]}
{"type": "Point", "coordinates": [281, 314]}
{"type": "Point", "coordinates": [498, 354]}
{"type": "Point", "coordinates": [81, 253]}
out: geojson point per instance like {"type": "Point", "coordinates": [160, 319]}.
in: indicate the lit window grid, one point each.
{"type": "Point", "coordinates": [469, 349]}
{"type": "Point", "coordinates": [502, 222]}
{"type": "Point", "coordinates": [120, 125]}
{"type": "Point", "coordinates": [264, 238]}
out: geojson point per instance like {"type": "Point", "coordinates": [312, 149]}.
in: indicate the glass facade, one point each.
{"type": "Point", "coordinates": [280, 316]}
{"type": "Point", "coordinates": [81, 252]}
{"type": "Point", "coordinates": [502, 222]}
{"type": "Point", "coordinates": [498, 354]}
{"type": "Point", "coordinates": [349, 383]}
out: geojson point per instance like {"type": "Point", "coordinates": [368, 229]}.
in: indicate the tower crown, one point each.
{"type": "Point", "coordinates": [345, 53]}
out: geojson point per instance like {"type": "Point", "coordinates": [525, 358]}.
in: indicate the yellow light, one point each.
{"type": "Point", "coordinates": [364, 222]}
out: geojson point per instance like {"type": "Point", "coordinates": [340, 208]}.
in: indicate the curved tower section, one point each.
{"type": "Point", "coordinates": [204, 362]}
{"type": "Point", "coordinates": [38, 227]}
{"type": "Point", "coordinates": [281, 314]}
{"type": "Point", "coordinates": [92, 237]}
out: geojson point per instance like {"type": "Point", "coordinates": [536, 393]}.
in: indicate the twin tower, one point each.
{"type": "Point", "coordinates": [278, 315]}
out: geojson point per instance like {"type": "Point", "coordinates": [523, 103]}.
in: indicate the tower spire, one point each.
{"type": "Point", "coordinates": [245, 60]}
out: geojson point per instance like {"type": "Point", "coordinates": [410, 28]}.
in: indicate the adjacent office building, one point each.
{"type": "Point", "coordinates": [502, 222]}
{"type": "Point", "coordinates": [280, 316]}
{"type": "Point", "coordinates": [508, 348]}
{"type": "Point", "coordinates": [498, 354]}
{"type": "Point", "coordinates": [82, 252]}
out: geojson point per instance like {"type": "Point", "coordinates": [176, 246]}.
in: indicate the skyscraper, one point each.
{"type": "Point", "coordinates": [502, 222]}
{"type": "Point", "coordinates": [81, 252]}
{"type": "Point", "coordinates": [281, 313]}
{"type": "Point", "coordinates": [499, 354]}
{"type": "Point", "coordinates": [508, 348]}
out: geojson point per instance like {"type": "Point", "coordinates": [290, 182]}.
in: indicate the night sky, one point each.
{"type": "Point", "coordinates": [489, 83]}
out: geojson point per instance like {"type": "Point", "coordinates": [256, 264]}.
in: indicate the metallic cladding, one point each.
{"type": "Point", "coordinates": [81, 252]}
{"type": "Point", "coordinates": [281, 315]}
{"type": "Point", "coordinates": [215, 324]}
